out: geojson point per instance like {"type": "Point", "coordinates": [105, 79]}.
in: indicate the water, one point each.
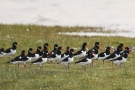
{"type": "Point", "coordinates": [116, 15]}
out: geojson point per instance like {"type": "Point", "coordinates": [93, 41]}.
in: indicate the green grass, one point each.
{"type": "Point", "coordinates": [97, 77]}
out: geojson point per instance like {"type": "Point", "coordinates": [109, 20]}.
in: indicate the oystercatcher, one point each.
{"type": "Point", "coordinates": [116, 53]}
{"type": "Point", "coordinates": [82, 52]}
{"type": "Point", "coordinates": [16, 59]}
{"type": "Point", "coordinates": [104, 55]}
{"type": "Point", "coordinates": [68, 59]}
{"type": "Point", "coordinates": [121, 59]}
{"type": "Point", "coordinates": [41, 60]}
{"type": "Point", "coordinates": [27, 58]}
{"type": "Point", "coordinates": [45, 49]}
{"type": "Point", "coordinates": [86, 60]}
{"type": "Point", "coordinates": [66, 54]}
{"type": "Point", "coordinates": [12, 50]}
{"type": "Point", "coordinates": [35, 55]}
{"type": "Point", "coordinates": [55, 56]}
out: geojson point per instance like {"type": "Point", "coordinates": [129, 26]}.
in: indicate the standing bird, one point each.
{"type": "Point", "coordinates": [55, 49]}
{"type": "Point", "coordinates": [97, 44]}
{"type": "Point", "coordinates": [16, 59]}
{"type": "Point", "coordinates": [41, 60]}
{"type": "Point", "coordinates": [45, 49]}
{"type": "Point", "coordinates": [81, 53]}
{"type": "Point", "coordinates": [68, 59]}
{"type": "Point", "coordinates": [116, 53]}
{"type": "Point", "coordinates": [35, 55]}
{"type": "Point", "coordinates": [55, 56]}
{"type": "Point", "coordinates": [95, 54]}
{"type": "Point", "coordinates": [104, 55]}
{"type": "Point", "coordinates": [65, 54]}
{"type": "Point", "coordinates": [121, 59]}
{"type": "Point", "coordinates": [2, 52]}
{"type": "Point", "coordinates": [12, 50]}
{"type": "Point", "coordinates": [86, 60]}
{"type": "Point", "coordinates": [27, 58]}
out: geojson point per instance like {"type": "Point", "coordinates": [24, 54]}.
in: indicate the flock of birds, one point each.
{"type": "Point", "coordinates": [42, 55]}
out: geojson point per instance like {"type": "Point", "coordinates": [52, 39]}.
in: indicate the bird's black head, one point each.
{"type": "Point", "coordinates": [15, 43]}
{"type": "Point", "coordinates": [2, 49]}
{"type": "Point", "coordinates": [126, 48]}
{"type": "Point", "coordinates": [71, 50]}
{"type": "Point", "coordinates": [39, 47]}
{"type": "Point", "coordinates": [55, 45]}
{"type": "Point", "coordinates": [121, 44]}
{"type": "Point", "coordinates": [59, 48]}
{"type": "Point", "coordinates": [46, 44]}
{"type": "Point", "coordinates": [97, 43]}
{"type": "Point", "coordinates": [23, 51]}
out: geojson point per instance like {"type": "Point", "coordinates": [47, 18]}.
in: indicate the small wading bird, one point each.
{"type": "Point", "coordinates": [26, 58]}
{"type": "Point", "coordinates": [16, 59]}
{"type": "Point", "coordinates": [121, 59]}
{"type": "Point", "coordinates": [65, 54]}
{"type": "Point", "coordinates": [12, 50]}
{"type": "Point", "coordinates": [104, 54]}
{"type": "Point", "coordinates": [116, 53]}
{"type": "Point", "coordinates": [55, 56]}
{"type": "Point", "coordinates": [41, 60]}
{"type": "Point", "coordinates": [86, 60]}
{"type": "Point", "coordinates": [81, 53]}
{"type": "Point", "coordinates": [68, 59]}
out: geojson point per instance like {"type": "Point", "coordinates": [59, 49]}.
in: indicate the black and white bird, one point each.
{"type": "Point", "coordinates": [54, 51]}
{"type": "Point", "coordinates": [35, 55]}
{"type": "Point", "coordinates": [2, 52]}
{"type": "Point", "coordinates": [39, 51]}
{"type": "Point", "coordinates": [86, 60]}
{"type": "Point", "coordinates": [116, 53]}
{"type": "Point", "coordinates": [56, 56]}
{"type": "Point", "coordinates": [16, 59]}
{"type": "Point", "coordinates": [65, 54]}
{"type": "Point", "coordinates": [12, 50]}
{"type": "Point", "coordinates": [26, 58]}
{"type": "Point", "coordinates": [97, 44]}
{"type": "Point", "coordinates": [41, 60]}
{"type": "Point", "coordinates": [104, 54]}
{"type": "Point", "coordinates": [81, 53]}
{"type": "Point", "coordinates": [45, 49]}
{"type": "Point", "coordinates": [95, 54]}
{"type": "Point", "coordinates": [68, 59]}
{"type": "Point", "coordinates": [121, 59]}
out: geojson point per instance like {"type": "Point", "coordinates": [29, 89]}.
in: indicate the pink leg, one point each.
{"type": "Point", "coordinates": [24, 65]}
{"type": "Point", "coordinates": [84, 68]}
{"type": "Point", "coordinates": [103, 61]}
{"type": "Point", "coordinates": [18, 65]}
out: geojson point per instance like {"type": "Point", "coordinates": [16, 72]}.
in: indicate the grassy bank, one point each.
{"type": "Point", "coordinates": [97, 77]}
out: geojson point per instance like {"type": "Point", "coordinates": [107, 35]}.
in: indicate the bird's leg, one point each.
{"type": "Point", "coordinates": [51, 62]}
{"type": "Point", "coordinates": [41, 68]}
{"type": "Point", "coordinates": [103, 62]}
{"type": "Point", "coordinates": [112, 63]}
{"type": "Point", "coordinates": [68, 66]}
{"type": "Point", "coordinates": [24, 65]}
{"type": "Point", "coordinates": [54, 63]}
{"type": "Point", "coordinates": [92, 62]}
{"type": "Point", "coordinates": [120, 65]}
{"type": "Point", "coordinates": [84, 68]}
{"type": "Point", "coordinates": [18, 65]}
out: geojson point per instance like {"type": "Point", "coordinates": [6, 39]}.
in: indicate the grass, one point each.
{"type": "Point", "coordinates": [97, 77]}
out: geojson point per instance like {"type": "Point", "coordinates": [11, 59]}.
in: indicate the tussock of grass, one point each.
{"type": "Point", "coordinates": [97, 77]}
